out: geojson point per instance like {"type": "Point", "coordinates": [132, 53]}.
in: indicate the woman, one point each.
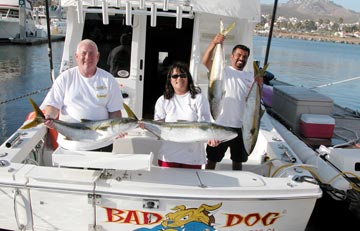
{"type": "Point", "coordinates": [182, 101]}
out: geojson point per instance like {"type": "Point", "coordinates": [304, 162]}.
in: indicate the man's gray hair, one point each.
{"type": "Point", "coordinates": [88, 42]}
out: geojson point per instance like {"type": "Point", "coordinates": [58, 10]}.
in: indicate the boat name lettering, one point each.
{"type": "Point", "coordinates": [252, 219]}
{"type": "Point", "coordinates": [147, 218]}
{"type": "Point", "coordinates": [132, 216]}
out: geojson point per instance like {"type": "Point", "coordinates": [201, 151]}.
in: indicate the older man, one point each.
{"type": "Point", "coordinates": [84, 92]}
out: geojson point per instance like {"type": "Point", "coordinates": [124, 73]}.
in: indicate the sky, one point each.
{"type": "Point", "coordinates": [347, 4]}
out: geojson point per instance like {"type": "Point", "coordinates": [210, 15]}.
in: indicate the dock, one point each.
{"type": "Point", "coordinates": [33, 40]}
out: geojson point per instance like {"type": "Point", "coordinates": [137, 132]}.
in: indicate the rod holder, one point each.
{"type": "Point", "coordinates": [178, 17]}
{"type": "Point", "coordinates": [105, 14]}
{"type": "Point", "coordinates": [80, 12]}
{"type": "Point", "coordinates": [142, 4]}
{"type": "Point", "coordinates": [166, 5]}
{"type": "Point", "coordinates": [153, 15]}
{"type": "Point", "coordinates": [13, 140]}
{"type": "Point", "coordinates": [128, 13]}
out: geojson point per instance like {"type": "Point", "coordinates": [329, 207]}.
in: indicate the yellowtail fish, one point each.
{"type": "Point", "coordinates": [253, 112]}
{"type": "Point", "coordinates": [86, 130]}
{"type": "Point", "coordinates": [186, 131]}
{"type": "Point", "coordinates": [216, 91]}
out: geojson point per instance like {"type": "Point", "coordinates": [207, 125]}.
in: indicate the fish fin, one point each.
{"type": "Point", "coordinates": [130, 112]}
{"type": "Point", "coordinates": [256, 68]}
{"type": "Point", "coordinates": [228, 29]}
{"type": "Point", "coordinates": [262, 111]}
{"type": "Point", "coordinates": [38, 118]}
{"type": "Point", "coordinates": [85, 120]}
{"type": "Point", "coordinates": [221, 26]}
{"type": "Point", "coordinates": [223, 93]}
{"type": "Point", "coordinates": [67, 138]}
{"type": "Point", "coordinates": [149, 130]}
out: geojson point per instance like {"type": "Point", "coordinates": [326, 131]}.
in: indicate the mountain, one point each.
{"type": "Point", "coordinates": [313, 10]}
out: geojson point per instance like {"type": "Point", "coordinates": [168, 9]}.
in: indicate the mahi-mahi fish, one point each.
{"type": "Point", "coordinates": [253, 112]}
{"type": "Point", "coordinates": [187, 131]}
{"type": "Point", "coordinates": [86, 130]}
{"type": "Point", "coordinates": [216, 90]}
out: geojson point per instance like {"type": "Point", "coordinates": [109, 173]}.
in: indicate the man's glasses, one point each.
{"type": "Point", "coordinates": [182, 75]}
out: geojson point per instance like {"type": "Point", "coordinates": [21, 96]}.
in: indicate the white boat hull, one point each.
{"type": "Point", "coordinates": [125, 190]}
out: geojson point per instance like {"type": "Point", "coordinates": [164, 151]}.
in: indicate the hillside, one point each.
{"type": "Point", "coordinates": [313, 10]}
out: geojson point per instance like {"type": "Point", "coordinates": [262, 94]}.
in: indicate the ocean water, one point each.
{"type": "Point", "coordinates": [24, 73]}
{"type": "Point", "coordinates": [313, 64]}
{"type": "Point", "coordinates": [26, 69]}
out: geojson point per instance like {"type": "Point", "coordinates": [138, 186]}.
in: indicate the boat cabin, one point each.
{"type": "Point", "coordinates": [155, 33]}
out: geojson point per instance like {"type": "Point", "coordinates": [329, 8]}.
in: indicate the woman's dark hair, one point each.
{"type": "Point", "coordinates": [182, 68]}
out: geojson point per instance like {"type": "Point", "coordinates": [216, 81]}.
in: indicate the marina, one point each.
{"type": "Point", "coordinates": [20, 23]}
{"type": "Point", "coordinates": [277, 190]}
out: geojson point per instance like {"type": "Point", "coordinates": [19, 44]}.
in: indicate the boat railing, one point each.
{"type": "Point", "coordinates": [176, 8]}
{"type": "Point", "coordinates": [9, 13]}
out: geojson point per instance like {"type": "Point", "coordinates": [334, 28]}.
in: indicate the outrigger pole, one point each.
{"type": "Point", "coordinates": [270, 32]}
{"type": "Point", "coordinates": [52, 75]}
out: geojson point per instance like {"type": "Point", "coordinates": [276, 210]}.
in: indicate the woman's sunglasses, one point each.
{"type": "Point", "coordinates": [182, 75]}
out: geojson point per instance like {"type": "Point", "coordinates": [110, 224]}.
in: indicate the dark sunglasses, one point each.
{"type": "Point", "coordinates": [182, 75]}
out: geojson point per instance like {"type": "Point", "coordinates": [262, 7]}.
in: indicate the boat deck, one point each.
{"type": "Point", "coordinates": [347, 124]}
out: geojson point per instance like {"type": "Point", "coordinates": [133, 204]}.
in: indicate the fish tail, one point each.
{"type": "Point", "coordinates": [258, 71]}
{"type": "Point", "coordinates": [130, 112]}
{"type": "Point", "coordinates": [228, 29]}
{"type": "Point", "coordinates": [38, 118]}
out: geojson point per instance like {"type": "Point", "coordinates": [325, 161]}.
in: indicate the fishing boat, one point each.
{"type": "Point", "coordinates": [44, 187]}
{"type": "Point", "coordinates": [16, 19]}
{"type": "Point", "coordinates": [57, 15]}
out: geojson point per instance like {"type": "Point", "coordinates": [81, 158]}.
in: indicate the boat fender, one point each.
{"type": "Point", "coordinates": [53, 134]}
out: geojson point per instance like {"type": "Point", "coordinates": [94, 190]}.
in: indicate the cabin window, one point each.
{"type": "Point", "coordinates": [113, 40]}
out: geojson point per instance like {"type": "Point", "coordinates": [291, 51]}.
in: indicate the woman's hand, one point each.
{"type": "Point", "coordinates": [121, 135]}
{"type": "Point", "coordinates": [213, 143]}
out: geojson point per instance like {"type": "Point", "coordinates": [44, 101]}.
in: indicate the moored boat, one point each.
{"type": "Point", "coordinates": [47, 189]}
{"type": "Point", "coordinates": [16, 21]}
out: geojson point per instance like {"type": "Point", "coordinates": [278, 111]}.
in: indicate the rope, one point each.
{"type": "Point", "coordinates": [26, 95]}
{"type": "Point", "coordinates": [333, 83]}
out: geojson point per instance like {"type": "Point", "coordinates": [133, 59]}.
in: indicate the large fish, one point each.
{"type": "Point", "coordinates": [253, 112]}
{"type": "Point", "coordinates": [185, 131]}
{"type": "Point", "coordinates": [216, 90]}
{"type": "Point", "coordinates": [87, 130]}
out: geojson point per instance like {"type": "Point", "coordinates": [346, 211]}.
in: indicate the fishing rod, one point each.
{"type": "Point", "coordinates": [52, 75]}
{"type": "Point", "coordinates": [270, 32]}
{"type": "Point", "coordinates": [337, 82]}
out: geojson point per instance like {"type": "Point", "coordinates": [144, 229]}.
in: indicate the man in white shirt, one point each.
{"type": "Point", "coordinates": [84, 92]}
{"type": "Point", "coordinates": [237, 84]}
